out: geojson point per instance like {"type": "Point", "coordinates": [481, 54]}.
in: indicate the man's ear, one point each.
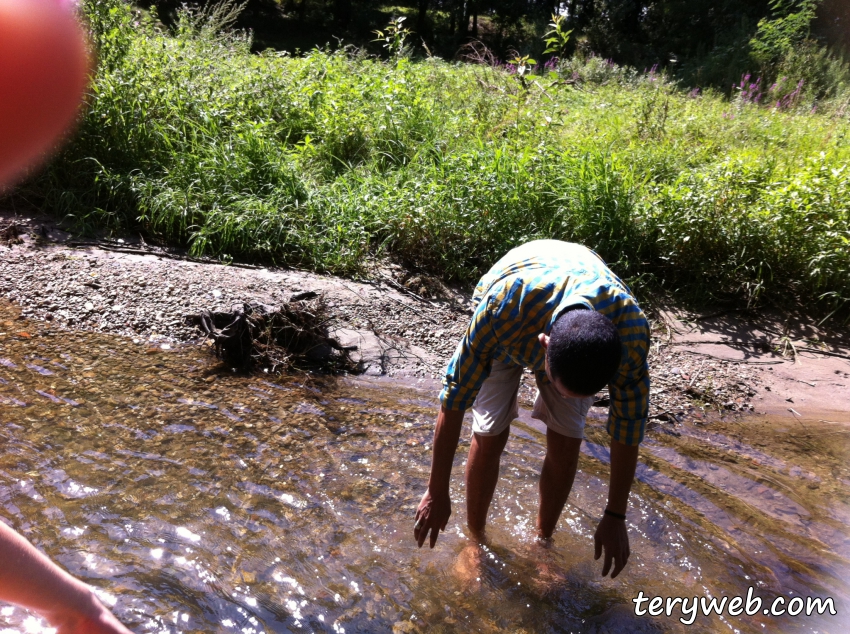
{"type": "Point", "coordinates": [544, 340]}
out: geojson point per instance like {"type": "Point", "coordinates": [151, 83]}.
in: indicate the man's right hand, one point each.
{"type": "Point", "coordinates": [436, 505]}
{"type": "Point", "coordinates": [432, 515]}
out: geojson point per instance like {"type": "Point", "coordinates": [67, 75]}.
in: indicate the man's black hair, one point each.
{"type": "Point", "coordinates": [584, 351]}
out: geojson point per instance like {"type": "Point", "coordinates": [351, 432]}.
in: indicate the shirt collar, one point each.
{"type": "Point", "coordinates": [568, 303]}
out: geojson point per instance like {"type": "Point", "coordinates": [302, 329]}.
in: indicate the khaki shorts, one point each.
{"type": "Point", "coordinates": [496, 405]}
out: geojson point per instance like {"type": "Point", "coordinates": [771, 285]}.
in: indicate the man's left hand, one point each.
{"type": "Point", "coordinates": [612, 537]}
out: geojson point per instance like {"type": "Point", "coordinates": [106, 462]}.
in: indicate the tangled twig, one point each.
{"type": "Point", "coordinates": [294, 335]}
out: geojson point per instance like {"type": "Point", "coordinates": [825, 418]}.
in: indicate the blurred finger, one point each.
{"type": "Point", "coordinates": [43, 74]}
{"type": "Point", "coordinates": [597, 546]}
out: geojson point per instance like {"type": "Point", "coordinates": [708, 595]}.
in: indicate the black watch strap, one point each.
{"type": "Point", "coordinates": [619, 516]}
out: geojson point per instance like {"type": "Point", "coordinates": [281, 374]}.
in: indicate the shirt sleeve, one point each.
{"type": "Point", "coordinates": [629, 391]}
{"type": "Point", "coordinates": [471, 363]}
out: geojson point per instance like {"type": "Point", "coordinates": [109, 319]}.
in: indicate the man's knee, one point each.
{"type": "Point", "coordinates": [562, 449]}
{"type": "Point", "coordinates": [491, 446]}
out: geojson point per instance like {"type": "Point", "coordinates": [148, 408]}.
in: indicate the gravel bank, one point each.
{"type": "Point", "coordinates": [399, 332]}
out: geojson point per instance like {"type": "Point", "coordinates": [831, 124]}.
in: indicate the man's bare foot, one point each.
{"type": "Point", "coordinates": [469, 566]}
{"type": "Point", "coordinates": [548, 583]}
{"type": "Point", "coordinates": [549, 577]}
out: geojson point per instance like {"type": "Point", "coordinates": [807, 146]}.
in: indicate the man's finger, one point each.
{"type": "Point", "coordinates": [420, 532]}
{"type": "Point", "coordinates": [434, 532]}
{"type": "Point", "coordinates": [608, 558]}
{"type": "Point", "coordinates": [597, 546]}
{"type": "Point", "coordinates": [619, 564]}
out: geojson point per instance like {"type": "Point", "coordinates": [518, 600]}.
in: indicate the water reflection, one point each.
{"type": "Point", "coordinates": [199, 500]}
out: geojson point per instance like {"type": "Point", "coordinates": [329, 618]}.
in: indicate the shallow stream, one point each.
{"type": "Point", "coordinates": [198, 500]}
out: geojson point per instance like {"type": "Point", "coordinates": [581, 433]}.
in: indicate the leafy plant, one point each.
{"type": "Point", "coordinates": [110, 29]}
{"type": "Point", "coordinates": [209, 19]}
{"type": "Point", "coordinates": [394, 37]}
{"type": "Point", "coordinates": [557, 38]}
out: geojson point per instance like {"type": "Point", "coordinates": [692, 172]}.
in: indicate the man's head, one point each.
{"type": "Point", "coordinates": [582, 352]}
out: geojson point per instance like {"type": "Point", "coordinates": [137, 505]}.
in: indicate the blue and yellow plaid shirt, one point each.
{"type": "Point", "coordinates": [522, 296]}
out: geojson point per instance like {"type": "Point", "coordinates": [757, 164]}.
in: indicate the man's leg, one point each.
{"type": "Point", "coordinates": [556, 479]}
{"type": "Point", "coordinates": [492, 413]}
{"type": "Point", "coordinates": [482, 473]}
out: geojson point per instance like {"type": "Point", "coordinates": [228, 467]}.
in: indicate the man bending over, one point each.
{"type": "Point", "coordinates": [556, 308]}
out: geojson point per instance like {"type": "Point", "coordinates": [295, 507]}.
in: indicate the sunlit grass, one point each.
{"type": "Point", "coordinates": [330, 159]}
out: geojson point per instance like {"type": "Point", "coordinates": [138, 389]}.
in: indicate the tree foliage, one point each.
{"type": "Point", "coordinates": [703, 42]}
{"type": "Point", "coordinates": [787, 27]}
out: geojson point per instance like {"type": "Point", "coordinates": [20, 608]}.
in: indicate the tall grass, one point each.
{"type": "Point", "coordinates": [331, 159]}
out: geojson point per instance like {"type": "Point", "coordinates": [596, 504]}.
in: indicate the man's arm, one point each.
{"type": "Point", "coordinates": [465, 373]}
{"type": "Point", "coordinates": [436, 506]}
{"type": "Point", "coordinates": [29, 579]}
{"type": "Point", "coordinates": [623, 465]}
{"type": "Point", "coordinates": [611, 534]}
{"type": "Point", "coordinates": [627, 416]}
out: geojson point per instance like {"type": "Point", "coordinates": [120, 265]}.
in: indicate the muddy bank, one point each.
{"type": "Point", "coordinates": [406, 325]}
{"type": "Point", "coordinates": [803, 371]}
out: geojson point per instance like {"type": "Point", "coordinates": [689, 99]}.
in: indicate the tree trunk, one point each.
{"type": "Point", "coordinates": [422, 17]}
{"type": "Point", "coordinates": [463, 29]}
{"type": "Point", "coordinates": [457, 19]}
{"type": "Point", "coordinates": [474, 10]}
{"type": "Point", "coordinates": [571, 12]}
{"type": "Point", "coordinates": [342, 12]}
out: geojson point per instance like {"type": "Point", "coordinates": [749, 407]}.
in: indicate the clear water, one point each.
{"type": "Point", "coordinates": [197, 500]}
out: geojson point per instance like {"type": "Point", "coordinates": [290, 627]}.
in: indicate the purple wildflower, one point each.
{"type": "Point", "coordinates": [750, 91]}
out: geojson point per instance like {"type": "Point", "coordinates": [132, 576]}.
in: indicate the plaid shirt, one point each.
{"type": "Point", "coordinates": [522, 296]}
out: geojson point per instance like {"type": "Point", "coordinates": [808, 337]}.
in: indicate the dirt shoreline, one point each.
{"type": "Point", "coordinates": [703, 367]}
